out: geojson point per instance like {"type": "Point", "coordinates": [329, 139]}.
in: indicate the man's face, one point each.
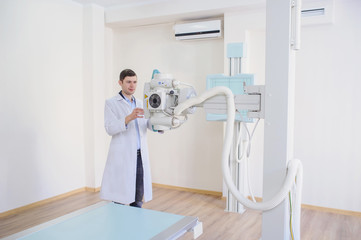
{"type": "Point", "coordinates": [129, 85]}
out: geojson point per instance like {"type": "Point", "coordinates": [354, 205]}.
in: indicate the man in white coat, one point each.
{"type": "Point", "coordinates": [126, 177]}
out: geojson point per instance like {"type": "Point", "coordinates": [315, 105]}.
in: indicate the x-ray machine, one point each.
{"type": "Point", "coordinates": [167, 103]}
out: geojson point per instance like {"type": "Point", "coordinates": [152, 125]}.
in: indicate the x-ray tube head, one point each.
{"type": "Point", "coordinates": [161, 96]}
{"type": "Point", "coordinates": [155, 100]}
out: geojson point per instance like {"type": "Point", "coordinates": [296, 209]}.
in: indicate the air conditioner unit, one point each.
{"type": "Point", "coordinates": [198, 30]}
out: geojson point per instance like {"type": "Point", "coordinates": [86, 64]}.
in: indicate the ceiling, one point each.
{"type": "Point", "coordinates": [115, 3]}
{"type": "Point", "coordinates": [173, 10]}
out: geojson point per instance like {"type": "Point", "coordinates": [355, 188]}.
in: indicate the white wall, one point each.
{"type": "Point", "coordinates": [95, 89]}
{"type": "Point", "coordinates": [326, 112]}
{"type": "Point", "coordinates": [328, 116]}
{"type": "Point", "coordinates": [41, 100]}
{"type": "Point", "coordinates": [189, 156]}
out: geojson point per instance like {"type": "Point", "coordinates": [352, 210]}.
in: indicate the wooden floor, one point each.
{"type": "Point", "coordinates": [217, 224]}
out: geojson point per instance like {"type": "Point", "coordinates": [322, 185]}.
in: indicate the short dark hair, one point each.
{"type": "Point", "coordinates": [126, 73]}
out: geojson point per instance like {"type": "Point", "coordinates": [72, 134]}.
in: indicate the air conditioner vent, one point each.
{"type": "Point", "coordinates": [198, 30]}
{"type": "Point", "coordinates": [313, 12]}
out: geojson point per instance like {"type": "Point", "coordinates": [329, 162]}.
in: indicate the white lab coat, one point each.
{"type": "Point", "coordinates": [119, 176]}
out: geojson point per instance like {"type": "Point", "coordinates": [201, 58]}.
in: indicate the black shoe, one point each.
{"type": "Point", "coordinates": [136, 204]}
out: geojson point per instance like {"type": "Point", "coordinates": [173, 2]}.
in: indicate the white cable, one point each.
{"type": "Point", "coordinates": [251, 137]}
{"type": "Point", "coordinates": [176, 83]}
{"type": "Point", "coordinates": [186, 84]}
{"type": "Point", "coordinates": [245, 154]}
{"type": "Point", "coordinates": [297, 202]}
{"type": "Point", "coordinates": [181, 121]}
{"type": "Point", "coordinates": [247, 150]}
{"type": "Point", "coordinates": [249, 180]}
{"type": "Point", "coordinates": [240, 159]}
{"type": "Point", "coordinates": [244, 157]}
{"type": "Point", "coordinates": [294, 165]}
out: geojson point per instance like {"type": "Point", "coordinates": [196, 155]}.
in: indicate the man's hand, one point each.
{"type": "Point", "coordinates": [137, 113]}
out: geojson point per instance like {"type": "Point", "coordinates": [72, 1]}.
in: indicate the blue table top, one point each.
{"type": "Point", "coordinates": [110, 221]}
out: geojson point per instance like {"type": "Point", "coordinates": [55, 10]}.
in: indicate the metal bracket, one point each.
{"type": "Point", "coordinates": [257, 90]}
{"type": "Point", "coordinates": [252, 100]}
{"type": "Point", "coordinates": [197, 230]}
